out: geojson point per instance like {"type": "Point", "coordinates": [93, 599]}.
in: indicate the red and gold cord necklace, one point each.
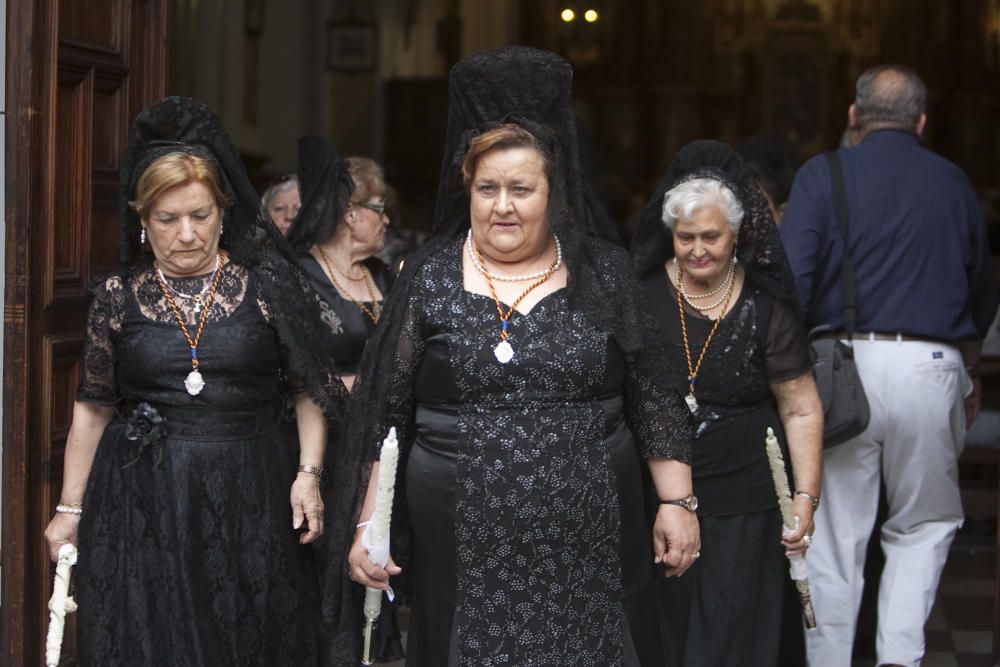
{"type": "Point", "coordinates": [693, 369]}
{"type": "Point", "coordinates": [194, 383]}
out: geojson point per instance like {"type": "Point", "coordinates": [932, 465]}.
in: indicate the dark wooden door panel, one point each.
{"type": "Point", "coordinates": [78, 72]}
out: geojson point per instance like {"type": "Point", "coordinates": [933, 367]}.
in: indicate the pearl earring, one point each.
{"type": "Point", "coordinates": [142, 237]}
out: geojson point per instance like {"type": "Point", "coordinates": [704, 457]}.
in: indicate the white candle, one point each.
{"type": "Point", "coordinates": [798, 568]}
{"type": "Point", "coordinates": [376, 535]}
{"type": "Point", "coordinates": [59, 604]}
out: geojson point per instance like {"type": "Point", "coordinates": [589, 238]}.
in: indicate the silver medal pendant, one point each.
{"type": "Point", "coordinates": [194, 383]}
{"type": "Point", "coordinates": [503, 352]}
{"type": "Point", "coordinates": [692, 402]}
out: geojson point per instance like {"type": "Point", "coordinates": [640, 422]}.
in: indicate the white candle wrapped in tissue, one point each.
{"type": "Point", "coordinates": [376, 535]}
{"type": "Point", "coordinates": [60, 604]}
{"type": "Point", "coordinates": [798, 569]}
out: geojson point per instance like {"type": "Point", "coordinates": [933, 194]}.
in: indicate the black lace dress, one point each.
{"type": "Point", "coordinates": [524, 483]}
{"type": "Point", "coordinates": [187, 554]}
{"type": "Point", "coordinates": [347, 328]}
{"type": "Point", "coordinates": [727, 608]}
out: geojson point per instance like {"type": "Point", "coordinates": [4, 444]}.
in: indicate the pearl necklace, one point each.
{"type": "Point", "coordinates": [199, 298]}
{"type": "Point", "coordinates": [513, 279]}
{"type": "Point", "coordinates": [705, 295]}
{"type": "Point", "coordinates": [726, 285]}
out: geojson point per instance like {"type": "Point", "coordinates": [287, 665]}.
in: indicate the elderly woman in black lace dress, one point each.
{"type": "Point", "coordinates": [717, 279]}
{"type": "Point", "coordinates": [188, 512]}
{"type": "Point", "coordinates": [516, 360]}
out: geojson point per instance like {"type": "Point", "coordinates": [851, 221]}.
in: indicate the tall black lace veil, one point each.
{"type": "Point", "coordinates": [181, 124]}
{"type": "Point", "coordinates": [531, 88]}
{"type": "Point", "coordinates": [325, 187]}
{"type": "Point", "coordinates": [758, 245]}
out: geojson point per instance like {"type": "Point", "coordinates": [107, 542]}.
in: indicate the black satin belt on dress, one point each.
{"type": "Point", "coordinates": [217, 424]}
{"type": "Point", "coordinates": [438, 434]}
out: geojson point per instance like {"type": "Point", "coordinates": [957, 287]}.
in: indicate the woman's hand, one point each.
{"type": "Point", "coordinates": [796, 543]}
{"type": "Point", "coordinates": [676, 539]}
{"type": "Point", "coordinates": [363, 571]}
{"type": "Point", "coordinates": [307, 506]}
{"type": "Point", "coordinates": [62, 529]}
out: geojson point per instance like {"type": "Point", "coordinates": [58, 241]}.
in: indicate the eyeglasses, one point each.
{"type": "Point", "coordinates": [378, 208]}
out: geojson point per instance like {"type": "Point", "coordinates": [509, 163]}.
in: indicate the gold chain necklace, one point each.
{"type": "Point", "coordinates": [504, 352]}
{"type": "Point", "coordinates": [194, 383]}
{"type": "Point", "coordinates": [693, 369]}
{"type": "Point", "coordinates": [376, 311]}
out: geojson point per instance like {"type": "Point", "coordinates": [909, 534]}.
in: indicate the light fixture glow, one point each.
{"type": "Point", "coordinates": [590, 16]}
{"type": "Point", "coordinates": [568, 15]}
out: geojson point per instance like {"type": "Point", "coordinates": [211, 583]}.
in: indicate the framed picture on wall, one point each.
{"type": "Point", "coordinates": [350, 47]}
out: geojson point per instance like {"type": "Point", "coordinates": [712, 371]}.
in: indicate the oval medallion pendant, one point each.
{"type": "Point", "coordinates": [194, 383]}
{"type": "Point", "coordinates": [503, 352]}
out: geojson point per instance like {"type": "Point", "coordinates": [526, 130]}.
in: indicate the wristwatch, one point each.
{"type": "Point", "coordinates": [690, 503]}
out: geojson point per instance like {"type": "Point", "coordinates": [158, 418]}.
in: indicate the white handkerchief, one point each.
{"type": "Point", "coordinates": [378, 554]}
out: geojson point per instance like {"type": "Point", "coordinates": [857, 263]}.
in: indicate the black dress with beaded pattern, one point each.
{"type": "Point", "coordinates": [187, 553]}
{"type": "Point", "coordinates": [524, 483]}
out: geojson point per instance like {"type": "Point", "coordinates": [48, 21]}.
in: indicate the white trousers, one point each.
{"type": "Point", "coordinates": [916, 391]}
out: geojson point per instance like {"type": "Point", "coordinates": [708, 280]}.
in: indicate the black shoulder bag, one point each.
{"type": "Point", "coordinates": [845, 405]}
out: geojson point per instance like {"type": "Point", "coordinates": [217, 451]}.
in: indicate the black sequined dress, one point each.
{"type": "Point", "coordinates": [187, 555]}
{"type": "Point", "coordinates": [524, 483]}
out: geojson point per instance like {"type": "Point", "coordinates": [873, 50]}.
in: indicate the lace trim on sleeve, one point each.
{"type": "Point", "coordinates": [98, 382]}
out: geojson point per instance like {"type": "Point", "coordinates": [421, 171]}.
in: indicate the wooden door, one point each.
{"type": "Point", "coordinates": [77, 74]}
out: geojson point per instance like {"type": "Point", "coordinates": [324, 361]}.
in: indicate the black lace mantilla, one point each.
{"type": "Point", "coordinates": [758, 245]}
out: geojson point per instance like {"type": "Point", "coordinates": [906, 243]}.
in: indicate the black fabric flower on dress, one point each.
{"type": "Point", "coordinates": [147, 427]}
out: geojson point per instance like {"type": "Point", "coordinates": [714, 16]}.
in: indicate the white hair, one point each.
{"type": "Point", "coordinates": [684, 199]}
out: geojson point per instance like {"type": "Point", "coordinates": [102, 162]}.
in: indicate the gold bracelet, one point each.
{"type": "Point", "coordinates": [311, 470]}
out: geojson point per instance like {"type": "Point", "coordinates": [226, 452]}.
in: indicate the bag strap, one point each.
{"type": "Point", "coordinates": [846, 268]}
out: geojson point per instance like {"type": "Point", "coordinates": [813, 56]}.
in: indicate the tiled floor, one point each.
{"type": "Point", "coordinates": [959, 631]}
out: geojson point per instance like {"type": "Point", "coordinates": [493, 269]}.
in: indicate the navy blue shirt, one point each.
{"type": "Point", "coordinates": [916, 238]}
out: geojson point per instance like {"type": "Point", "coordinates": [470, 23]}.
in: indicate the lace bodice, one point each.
{"type": "Point", "coordinates": [135, 349]}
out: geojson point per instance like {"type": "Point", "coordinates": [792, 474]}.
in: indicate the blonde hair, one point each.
{"type": "Point", "coordinates": [368, 177]}
{"type": "Point", "coordinates": [171, 171]}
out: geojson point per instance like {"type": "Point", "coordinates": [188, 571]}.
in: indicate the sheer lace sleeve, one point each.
{"type": "Point", "coordinates": [395, 400]}
{"type": "Point", "coordinates": [787, 345]}
{"type": "Point", "coordinates": [285, 300]}
{"type": "Point", "coordinates": [98, 383]}
{"type": "Point", "coordinates": [656, 414]}
{"type": "Point", "coordinates": [655, 411]}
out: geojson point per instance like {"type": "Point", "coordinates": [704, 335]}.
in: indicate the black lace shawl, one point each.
{"type": "Point", "coordinates": [325, 187]}
{"type": "Point", "coordinates": [181, 124]}
{"type": "Point", "coordinates": [758, 245]}
{"type": "Point", "coordinates": [531, 88]}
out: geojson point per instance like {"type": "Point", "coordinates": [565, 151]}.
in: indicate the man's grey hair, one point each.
{"type": "Point", "coordinates": [889, 96]}
{"type": "Point", "coordinates": [684, 199]}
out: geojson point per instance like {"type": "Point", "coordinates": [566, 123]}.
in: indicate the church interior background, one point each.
{"type": "Point", "coordinates": [772, 77]}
